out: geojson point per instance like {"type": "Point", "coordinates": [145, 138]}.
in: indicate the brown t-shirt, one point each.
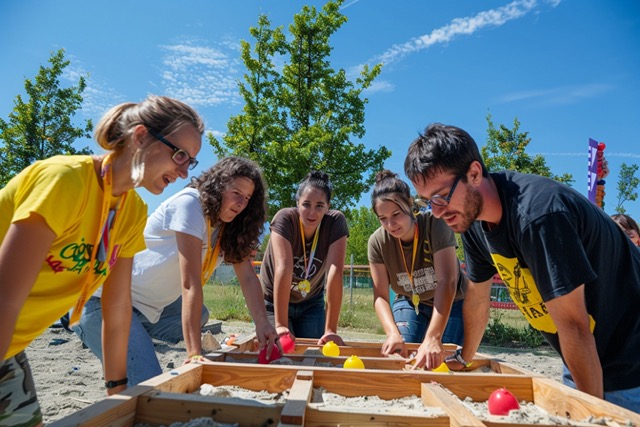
{"type": "Point", "coordinates": [433, 235]}
{"type": "Point", "coordinates": [287, 224]}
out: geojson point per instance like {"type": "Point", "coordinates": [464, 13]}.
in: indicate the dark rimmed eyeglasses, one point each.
{"type": "Point", "coordinates": [440, 201]}
{"type": "Point", "coordinates": [179, 157]}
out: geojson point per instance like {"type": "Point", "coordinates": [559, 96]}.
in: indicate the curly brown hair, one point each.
{"type": "Point", "coordinates": [241, 236]}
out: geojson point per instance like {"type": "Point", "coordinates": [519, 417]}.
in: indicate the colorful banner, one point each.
{"type": "Point", "coordinates": [592, 177]}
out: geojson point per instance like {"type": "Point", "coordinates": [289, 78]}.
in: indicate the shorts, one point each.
{"type": "Point", "coordinates": [18, 401]}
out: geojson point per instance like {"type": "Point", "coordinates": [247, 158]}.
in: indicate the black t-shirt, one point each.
{"type": "Point", "coordinates": [551, 240]}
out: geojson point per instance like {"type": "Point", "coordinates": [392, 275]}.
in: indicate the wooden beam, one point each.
{"type": "Point", "coordinates": [294, 410]}
{"type": "Point", "coordinates": [435, 395]}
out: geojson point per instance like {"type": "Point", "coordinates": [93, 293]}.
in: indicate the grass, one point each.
{"type": "Point", "coordinates": [507, 328]}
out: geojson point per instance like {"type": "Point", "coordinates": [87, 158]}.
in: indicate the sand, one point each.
{"type": "Point", "coordinates": [69, 377]}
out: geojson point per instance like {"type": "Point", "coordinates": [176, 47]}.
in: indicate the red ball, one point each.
{"type": "Point", "coordinates": [288, 344]}
{"type": "Point", "coordinates": [275, 355]}
{"type": "Point", "coordinates": [502, 401]}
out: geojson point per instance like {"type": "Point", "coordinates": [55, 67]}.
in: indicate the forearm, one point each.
{"type": "Point", "coordinates": [569, 314]}
{"type": "Point", "coordinates": [334, 304]}
{"type": "Point", "coordinates": [192, 300]}
{"type": "Point", "coordinates": [252, 292]}
{"type": "Point", "coordinates": [580, 355]}
{"type": "Point", "coordinates": [441, 311]}
{"type": "Point", "coordinates": [383, 311]}
{"type": "Point", "coordinates": [281, 295]}
{"type": "Point", "coordinates": [475, 311]}
{"type": "Point", "coordinates": [115, 339]}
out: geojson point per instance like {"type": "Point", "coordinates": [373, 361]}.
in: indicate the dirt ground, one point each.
{"type": "Point", "coordinates": [69, 377]}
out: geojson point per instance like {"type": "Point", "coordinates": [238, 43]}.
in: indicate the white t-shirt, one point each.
{"type": "Point", "coordinates": [156, 280]}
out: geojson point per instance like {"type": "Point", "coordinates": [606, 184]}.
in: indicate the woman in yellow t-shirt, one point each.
{"type": "Point", "coordinates": [70, 224]}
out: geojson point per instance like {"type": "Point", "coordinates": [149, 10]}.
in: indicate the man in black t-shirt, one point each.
{"type": "Point", "coordinates": [571, 270]}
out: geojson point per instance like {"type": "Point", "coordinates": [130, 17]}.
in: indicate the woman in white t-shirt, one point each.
{"type": "Point", "coordinates": [220, 215]}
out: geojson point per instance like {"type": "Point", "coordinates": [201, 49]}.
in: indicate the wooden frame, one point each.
{"type": "Point", "coordinates": [164, 399]}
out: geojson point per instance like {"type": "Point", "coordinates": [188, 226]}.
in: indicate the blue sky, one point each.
{"type": "Point", "coordinates": [568, 69]}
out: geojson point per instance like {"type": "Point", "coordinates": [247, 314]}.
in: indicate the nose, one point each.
{"type": "Point", "coordinates": [438, 211]}
{"type": "Point", "coordinates": [183, 170]}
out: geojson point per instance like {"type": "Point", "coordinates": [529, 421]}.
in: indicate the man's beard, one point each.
{"type": "Point", "coordinates": [473, 204]}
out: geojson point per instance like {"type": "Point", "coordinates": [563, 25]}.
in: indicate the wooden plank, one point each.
{"type": "Point", "coordinates": [116, 410]}
{"type": "Point", "coordinates": [309, 359]}
{"type": "Point", "coordinates": [294, 410]}
{"type": "Point", "coordinates": [245, 342]}
{"type": "Point", "coordinates": [508, 368]}
{"type": "Point", "coordinates": [434, 395]}
{"type": "Point", "coordinates": [384, 383]}
{"type": "Point", "coordinates": [576, 405]}
{"type": "Point", "coordinates": [185, 379]}
{"type": "Point", "coordinates": [359, 417]}
{"type": "Point", "coordinates": [158, 408]}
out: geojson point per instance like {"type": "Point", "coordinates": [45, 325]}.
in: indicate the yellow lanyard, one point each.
{"type": "Point", "coordinates": [211, 257]}
{"type": "Point", "coordinates": [307, 268]}
{"type": "Point", "coordinates": [415, 298]}
{"type": "Point", "coordinates": [107, 187]}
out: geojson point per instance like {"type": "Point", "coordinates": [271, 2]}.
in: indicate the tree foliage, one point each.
{"type": "Point", "coordinates": [362, 223]}
{"type": "Point", "coordinates": [627, 185]}
{"type": "Point", "coordinates": [506, 150]}
{"type": "Point", "coordinates": [302, 115]}
{"type": "Point", "coordinates": [40, 126]}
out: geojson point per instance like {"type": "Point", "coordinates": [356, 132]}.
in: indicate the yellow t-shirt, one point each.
{"type": "Point", "coordinates": [65, 191]}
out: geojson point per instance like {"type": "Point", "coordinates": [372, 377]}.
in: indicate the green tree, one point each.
{"type": "Point", "coordinates": [303, 115]}
{"type": "Point", "coordinates": [505, 150]}
{"type": "Point", "coordinates": [362, 223]}
{"type": "Point", "coordinates": [40, 126]}
{"type": "Point", "coordinates": [627, 185]}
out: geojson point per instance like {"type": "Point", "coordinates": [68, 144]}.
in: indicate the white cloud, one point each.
{"type": "Point", "coordinates": [379, 86]}
{"type": "Point", "coordinates": [558, 96]}
{"type": "Point", "coordinates": [218, 134]}
{"type": "Point", "coordinates": [98, 97]}
{"type": "Point", "coordinates": [200, 75]}
{"type": "Point", "coordinates": [457, 27]}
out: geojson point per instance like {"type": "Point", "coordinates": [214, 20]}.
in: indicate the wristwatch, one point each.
{"type": "Point", "coordinates": [114, 384]}
{"type": "Point", "coordinates": [457, 356]}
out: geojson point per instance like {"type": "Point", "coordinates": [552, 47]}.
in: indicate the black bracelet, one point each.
{"type": "Point", "coordinates": [114, 384]}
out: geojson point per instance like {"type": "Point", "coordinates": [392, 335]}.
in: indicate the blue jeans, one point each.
{"type": "Point", "coordinates": [306, 318]}
{"type": "Point", "coordinates": [413, 327]}
{"type": "Point", "coordinates": [142, 362]}
{"type": "Point", "coordinates": [629, 398]}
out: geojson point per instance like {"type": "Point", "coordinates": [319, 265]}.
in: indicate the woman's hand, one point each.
{"type": "Point", "coordinates": [267, 336]}
{"type": "Point", "coordinates": [196, 358]}
{"type": "Point", "coordinates": [394, 344]}
{"type": "Point", "coordinates": [331, 337]}
{"type": "Point", "coordinates": [430, 355]}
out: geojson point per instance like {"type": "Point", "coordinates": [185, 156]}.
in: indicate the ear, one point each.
{"type": "Point", "coordinates": [140, 136]}
{"type": "Point", "coordinates": [474, 173]}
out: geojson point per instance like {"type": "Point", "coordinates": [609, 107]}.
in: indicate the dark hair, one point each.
{"type": "Point", "coordinates": [626, 222]}
{"type": "Point", "coordinates": [315, 179]}
{"type": "Point", "coordinates": [241, 235]}
{"type": "Point", "coordinates": [390, 188]}
{"type": "Point", "coordinates": [440, 149]}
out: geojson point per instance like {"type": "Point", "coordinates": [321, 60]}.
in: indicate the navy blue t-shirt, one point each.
{"type": "Point", "coordinates": [550, 240]}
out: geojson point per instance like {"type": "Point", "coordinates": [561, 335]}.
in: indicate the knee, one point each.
{"type": "Point", "coordinates": [205, 316]}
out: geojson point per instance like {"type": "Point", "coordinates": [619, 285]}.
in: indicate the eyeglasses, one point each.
{"type": "Point", "coordinates": [436, 200]}
{"type": "Point", "coordinates": [179, 157]}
